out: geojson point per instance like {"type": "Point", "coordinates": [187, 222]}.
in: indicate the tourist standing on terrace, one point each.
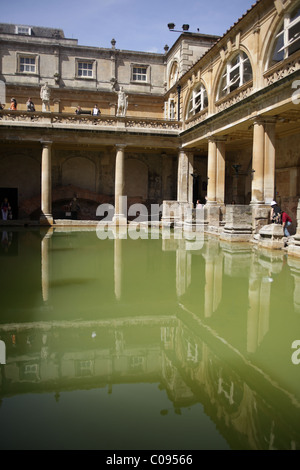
{"type": "Point", "coordinates": [30, 105]}
{"type": "Point", "coordinates": [13, 104]}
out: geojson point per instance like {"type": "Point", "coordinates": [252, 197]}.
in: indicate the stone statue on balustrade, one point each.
{"type": "Point", "coordinates": [45, 97]}
{"type": "Point", "coordinates": [122, 103]}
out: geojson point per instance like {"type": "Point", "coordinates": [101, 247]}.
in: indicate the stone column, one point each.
{"type": "Point", "coordinates": [258, 162]}
{"type": "Point", "coordinates": [269, 170]}
{"type": "Point", "coordinates": [190, 176]}
{"type": "Point", "coordinates": [46, 186]}
{"type": "Point", "coordinates": [211, 171]}
{"type": "Point", "coordinates": [182, 177]}
{"type": "Point", "coordinates": [120, 217]}
{"type": "Point", "coordinates": [220, 176]}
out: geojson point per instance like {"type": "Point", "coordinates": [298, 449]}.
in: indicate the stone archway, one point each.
{"type": "Point", "coordinates": [80, 172]}
{"type": "Point", "coordinates": [136, 180]}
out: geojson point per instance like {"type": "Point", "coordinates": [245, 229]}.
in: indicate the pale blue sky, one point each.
{"type": "Point", "coordinates": [135, 24]}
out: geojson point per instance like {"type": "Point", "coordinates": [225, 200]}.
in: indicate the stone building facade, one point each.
{"type": "Point", "coordinates": [213, 118]}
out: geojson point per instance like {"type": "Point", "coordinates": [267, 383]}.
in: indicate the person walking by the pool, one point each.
{"type": "Point", "coordinates": [5, 208]}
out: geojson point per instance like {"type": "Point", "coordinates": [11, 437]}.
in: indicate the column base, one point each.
{"type": "Point", "coordinates": [46, 219]}
{"type": "Point", "coordinates": [119, 219]}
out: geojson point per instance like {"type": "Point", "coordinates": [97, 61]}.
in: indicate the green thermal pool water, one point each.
{"type": "Point", "coordinates": [155, 343]}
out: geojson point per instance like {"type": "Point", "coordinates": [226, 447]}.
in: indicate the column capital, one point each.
{"type": "Point", "coordinates": [263, 120]}
{"type": "Point", "coordinates": [120, 146]}
{"type": "Point", "coordinates": [185, 150]}
{"type": "Point", "coordinates": [46, 143]}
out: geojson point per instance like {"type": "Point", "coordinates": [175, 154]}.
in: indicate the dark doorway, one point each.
{"type": "Point", "coordinates": [12, 196]}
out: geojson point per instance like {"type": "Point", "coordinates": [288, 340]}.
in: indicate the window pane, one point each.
{"type": "Point", "coordinates": [295, 14]}
{"type": "Point", "coordinates": [294, 38]}
{"type": "Point", "coordinates": [278, 50]}
{"type": "Point", "coordinates": [139, 74]}
{"type": "Point", "coordinates": [85, 69]}
{"type": "Point", "coordinates": [27, 64]}
{"type": "Point", "coordinates": [247, 71]}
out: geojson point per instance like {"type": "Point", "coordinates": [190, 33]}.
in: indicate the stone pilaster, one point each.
{"type": "Point", "coordinates": [211, 171]}
{"type": "Point", "coordinates": [46, 185]}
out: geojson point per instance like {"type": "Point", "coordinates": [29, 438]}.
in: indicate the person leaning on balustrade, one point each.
{"type": "Point", "coordinates": [30, 105]}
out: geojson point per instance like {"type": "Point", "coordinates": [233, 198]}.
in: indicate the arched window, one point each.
{"type": "Point", "coordinates": [237, 72]}
{"type": "Point", "coordinates": [197, 102]}
{"type": "Point", "coordinates": [174, 74]}
{"type": "Point", "coordinates": [288, 38]}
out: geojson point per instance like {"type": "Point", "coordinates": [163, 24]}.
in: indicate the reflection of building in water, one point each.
{"type": "Point", "coordinates": [180, 354]}
{"type": "Point", "coordinates": [195, 358]}
{"type": "Point", "coordinates": [263, 266]}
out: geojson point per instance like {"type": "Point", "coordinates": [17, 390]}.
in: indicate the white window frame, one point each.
{"type": "Point", "coordinates": [30, 68]}
{"type": "Point", "coordinates": [286, 26]}
{"type": "Point", "coordinates": [91, 69]}
{"type": "Point", "coordinates": [239, 76]}
{"type": "Point", "coordinates": [134, 73]}
{"type": "Point", "coordinates": [23, 29]}
{"type": "Point", "coordinates": [193, 104]}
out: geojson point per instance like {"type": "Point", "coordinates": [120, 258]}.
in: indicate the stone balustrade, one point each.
{"type": "Point", "coordinates": [282, 70]}
{"type": "Point", "coordinates": [84, 120]}
{"type": "Point", "coordinates": [234, 97]}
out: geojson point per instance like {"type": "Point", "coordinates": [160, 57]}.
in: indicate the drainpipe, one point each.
{"type": "Point", "coordinates": [178, 110]}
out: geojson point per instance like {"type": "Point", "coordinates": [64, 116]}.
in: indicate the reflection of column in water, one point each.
{"type": "Point", "coordinates": [119, 233]}
{"type": "Point", "coordinates": [259, 307]}
{"type": "Point", "coordinates": [264, 311]}
{"type": "Point", "coordinates": [218, 281]}
{"type": "Point", "coordinates": [183, 269]}
{"type": "Point", "coordinates": [297, 292]}
{"type": "Point", "coordinates": [118, 267]}
{"type": "Point", "coordinates": [213, 278]}
{"type": "Point", "coordinates": [209, 289]}
{"type": "Point", "coordinates": [294, 264]}
{"type": "Point", "coordinates": [45, 246]}
{"type": "Point", "coordinates": [253, 311]}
